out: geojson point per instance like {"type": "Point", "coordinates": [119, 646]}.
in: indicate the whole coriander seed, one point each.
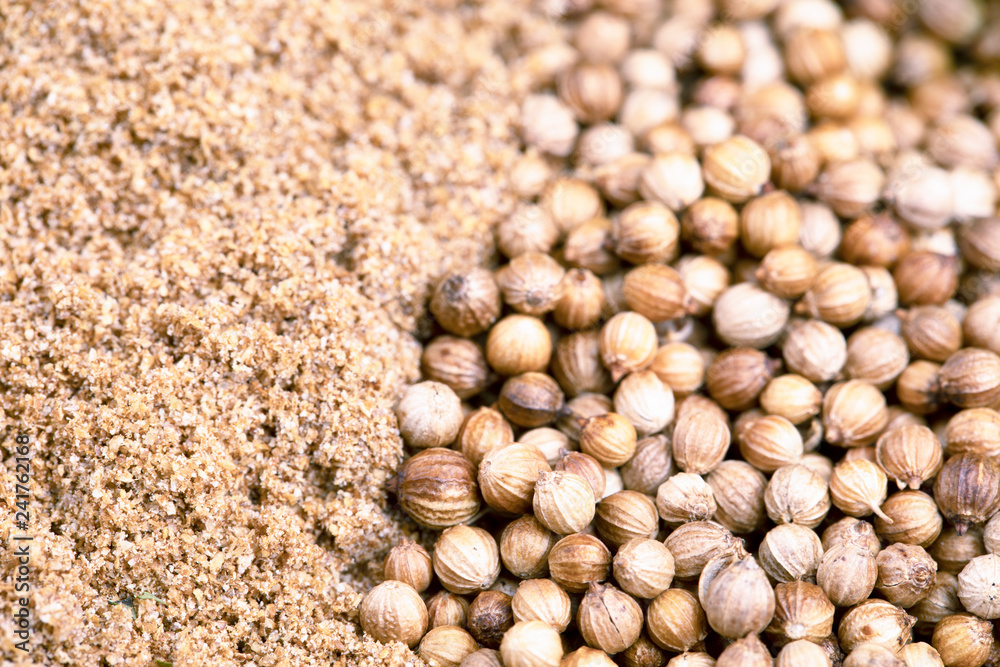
{"type": "Point", "coordinates": [563, 502]}
{"type": "Point", "coordinates": [675, 621]}
{"type": "Point", "coordinates": [963, 640]}
{"type": "Point", "coordinates": [646, 401]}
{"type": "Point", "coordinates": [980, 323]}
{"type": "Point", "coordinates": [920, 654]}
{"type": "Point", "coordinates": [577, 560]}
{"type": "Point", "coordinates": [700, 442]}
{"type": "Point", "coordinates": [695, 543]}
{"type": "Point", "coordinates": [680, 367]}
{"type": "Point", "coordinates": [872, 655]}
{"type": "Point", "coordinates": [577, 364]}
{"type": "Point", "coordinates": [437, 488]}
{"type": "Point", "coordinates": [609, 619]}
{"type": "Point", "coordinates": [796, 494]}
{"type": "Point", "coordinates": [456, 362]}
{"type": "Point", "coordinates": [587, 657]}
{"type": "Point", "coordinates": [738, 492]}
{"type": "Point", "coordinates": [507, 477]}
{"type": "Point", "coordinates": [770, 442]}
{"type": "Point", "coordinates": [770, 221]}
{"type": "Point", "coordinates": [952, 551]}
{"type": "Point", "coordinates": [482, 431]}
{"type": "Point", "coordinates": [739, 601]}
{"type": "Point", "coordinates": [746, 652]}
{"type": "Point", "coordinates": [905, 574]}
{"type": "Point", "coordinates": [531, 644]}
{"type": "Point", "coordinates": [489, 617]}
{"type": "Point", "coordinates": [710, 225]}
{"type": "Point", "coordinates": [650, 466]}
{"type": "Point", "coordinates": [409, 563]}
{"type": "Point", "coordinates": [705, 278]}
{"type": "Point", "coordinates": [588, 246]}
{"type": "Point", "coordinates": [429, 415]}
{"type": "Point", "coordinates": [858, 488]}
{"type": "Point", "coordinates": [628, 344]}
{"type": "Point", "coordinates": [815, 350]}
{"type": "Point", "coordinates": [446, 646]}
{"type": "Point", "coordinates": [685, 497]}
{"type": "Point", "coordinates": [840, 295]}
{"type": "Point", "coordinates": [446, 608]}
{"type": "Point", "coordinates": [914, 519]}
{"type": "Point", "coordinates": [924, 277]}
{"type": "Point", "coordinates": [551, 442]}
{"type": "Point", "coordinates": [978, 584]}
{"type": "Point", "coordinates": [644, 653]}
{"type": "Point", "coordinates": [877, 240]}
{"type": "Point", "coordinates": [570, 202]}
{"type": "Point", "coordinates": [876, 356]}
{"type": "Point", "coordinates": [610, 438]}
{"type": "Point", "coordinates": [910, 454]}
{"type": "Point", "coordinates": [940, 601]}
{"type": "Point", "coordinates": [790, 552]}
{"type": "Point", "coordinates": [966, 490]}
{"type": "Point", "coordinates": [736, 169]}
{"type": "Point", "coordinates": [974, 431]}
{"type": "Point", "coordinates": [625, 515]}
{"type": "Point", "coordinates": [791, 396]}
{"type": "Point", "coordinates": [970, 378]}
{"type": "Point", "coordinates": [468, 303]}
{"type": "Point", "coordinates": [583, 301]}
{"type": "Point", "coordinates": [643, 567]}
{"type": "Point", "coordinates": [527, 229]}
{"type": "Point", "coordinates": [875, 622]}
{"type": "Point", "coordinates": [656, 292]}
{"type": "Point", "coordinates": [854, 414]}
{"type": "Point", "coordinates": [787, 271]}
{"type": "Point", "coordinates": [802, 654]}
{"type": "Point", "coordinates": [518, 344]}
{"type": "Point", "coordinates": [847, 573]}
{"type": "Point", "coordinates": [801, 612]}
{"type": "Point", "coordinates": [524, 547]}
{"type": "Point", "coordinates": [466, 559]}
{"type": "Point", "coordinates": [746, 315]}
{"type": "Point", "coordinates": [530, 399]}
{"type": "Point", "coordinates": [931, 332]}
{"type": "Point", "coordinates": [532, 283]}
{"type": "Point", "coordinates": [585, 466]}
{"type": "Point", "coordinates": [918, 388]}
{"type": "Point", "coordinates": [542, 600]}
{"type": "Point", "coordinates": [393, 611]}
{"type": "Point", "coordinates": [645, 232]}
{"type": "Point", "coordinates": [737, 376]}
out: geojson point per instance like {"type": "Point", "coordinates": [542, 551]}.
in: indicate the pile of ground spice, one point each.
{"type": "Point", "coordinates": [219, 223]}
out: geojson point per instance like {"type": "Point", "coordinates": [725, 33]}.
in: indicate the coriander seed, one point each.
{"type": "Point", "coordinates": [531, 644]}
{"type": "Point", "coordinates": [429, 415]}
{"type": "Point", "coordinates": [649, 467]}
{"type": "Point", "coordinates": [466, 559]}
{"type": "Point", "coordinates": [409, 563]}
{"type": "Point", "coordinates": [563, 502]}
{"type": "Point", "coordinates": [577, 560]}
{"type": "Point", "coordinates": [437, 488]}
{"type": "Point", "coordinates": [446, 646]}
{"type": "Point", "coordinates": [507, 477]}
{"type": "Point", "coordinates": [609, 619]}
{"type": "Point", "coordinates": [675, 621]}
{"type": "Point", "coordinates": [542, 600]}
{"type": "Point", "coordinates": [468, 303]}
{"type": "Point", "coordinates": [519, 344]}
{"type": "Point", "coordinates": [643, 567]}
{"type": "Point", "coordinates": [801, 612]}
{"type": "Point", "coordinates": [524, 547]}
{"type": "Point", "coordinates": [489, 617]}
{"type": "Point", "coordinates": [393, 611]}
{"type": "Point", "coordinates": [530, 399]}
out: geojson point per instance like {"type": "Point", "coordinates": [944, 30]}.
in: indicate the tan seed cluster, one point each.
{"type": "Point", "coordinates": [732, 392]}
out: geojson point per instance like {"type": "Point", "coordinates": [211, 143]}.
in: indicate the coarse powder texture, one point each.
{"type": "Point", "coordinates": [219, 225]}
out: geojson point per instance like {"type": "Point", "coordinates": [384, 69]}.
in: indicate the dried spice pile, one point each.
{"type": "Point", "coordinates": [219, 227]}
